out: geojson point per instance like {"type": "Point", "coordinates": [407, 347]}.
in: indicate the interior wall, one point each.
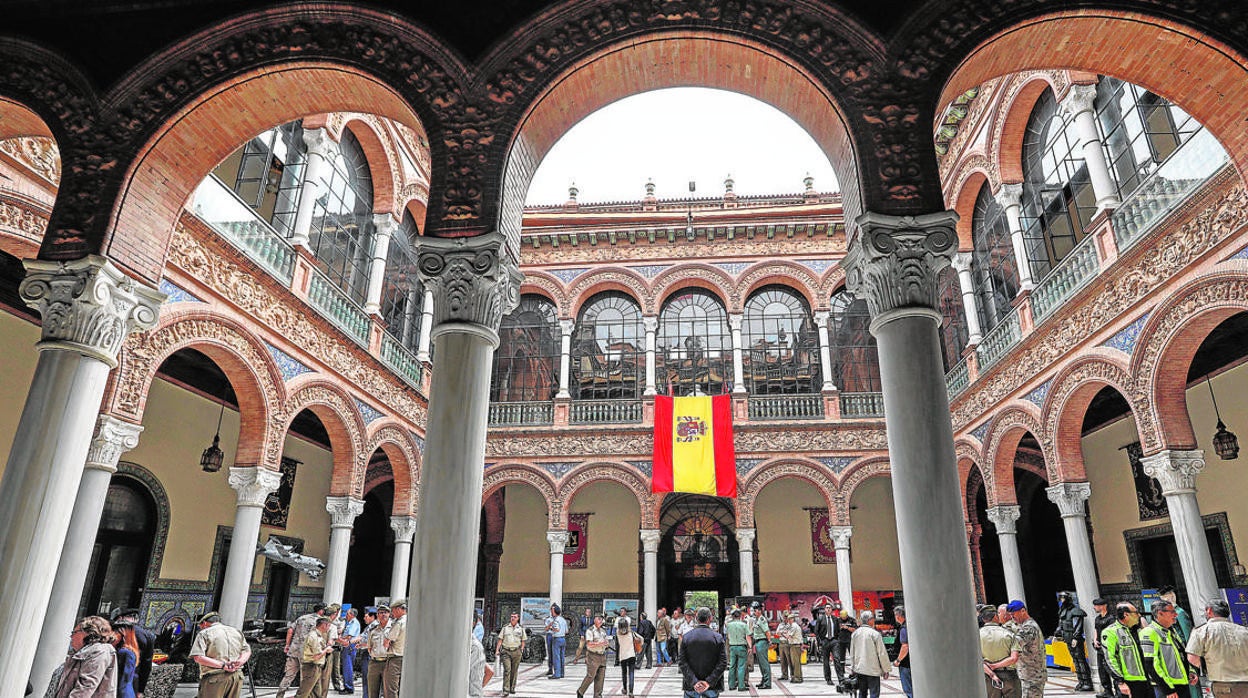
{"type": "Point", "coordinates": [876, 558]}
{"type": "Point", "coordinates": [784, 556]}
{"type": "Point", "coordinates": [614, 542]}
{"type": "Point", "coordinates": [17, 346]}
{"type": "Point", "coordinates": [525, 563]}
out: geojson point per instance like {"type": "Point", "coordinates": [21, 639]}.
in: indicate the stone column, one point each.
{"type": "Point", "coordinates": [113, 437]}
{"type": "Point", "coordinates": [1176, 471]}
{"type": "Point", "coordinates": [1079, 105]}
{"type": "Point", "coordinates": [493, 555]}
{"type": "Point", "coordinates": [893, 263]}
{"type": "Point", "coordinates": [426, 327]}
{"type": "Point", "coordinates": [253, 485]}
{"type": "Point", "coordinates": [384, 226]}
{"type": "Point", "coordinates": [650, 571]}
{"type": "Point", "coordinates": [320, 154]}
{"type": "Point", "coordinates": [962, 263]}
{"type": "Point", "coordinates": [1070, 498]}
{"type": "Point", "coordinates": [1005, 518]}
{"type": "Point", "coordinates": [844, 577]}
{"type": "Point", "coordinates": [475, 282]}
{"type": "Point", "coordinates": [88, 308]}
{"type": "Point", "coordinates": [652, 327]}
{"type": "Point", "coordinates": [404, 531]}
{"type": "Point", "coordinates": [738, 368]}
{"type": "Point", "coordinates": [558, 544]}
{"type": "Point", "coordinates": [565, 358]}
{"type": "Point", "coordinates": [1010, 198]}
{"type": "Point", "coordinates": [745, 553]}
{"type": "Point", "coordinates": [825, 349]}
{"type": "Point", "coordinates": [342, 513]}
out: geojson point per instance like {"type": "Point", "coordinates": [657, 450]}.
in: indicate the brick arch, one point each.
{"type": "Point", "coordinates": [327, 400]}
{"type": "Point", "coordinates": [383, 163]}
{"type": "Point", "coordinates": [965, 193]}
{"type": "Point", "coordinates": [703, 276]}
{"type": "Point", "coordinates": [396, 442]}
{"type": "Point", "coordinates": [235, 350]}
{"type": "Point", "coordinates": [505, 474]}
{"type": "Point", "coordinates": [17, 121]}
{"type": "Point", "coordinates": [542, 284]}
{"type": "Point", "coordinates": [1186, 66]}
{"type": "Point", "coordinates": [414, 199]}
{"type": "Point", "coordinates": [1011, 125]}
{"type": "Point", "coordinates": [971, 477]}
{"type": "Point", "coordinates": [791, 275]}
{"type": "Point", "coordinates": [831, 280]}
{"type": "Point", "coordinates": [850, 480]}
{"type": "Point", "coordinates": [590, 284]}
{"type": "Point", "coordinates": [628, 477]}
{"type": "Point", "coordinates": [814, 473]}
{"type": "Point", "coordinates": [1067, 405]}
{"type": "Point", "coordinates": [1004, 433]}
{"type": "Point", "coordinates": [1167, 344]}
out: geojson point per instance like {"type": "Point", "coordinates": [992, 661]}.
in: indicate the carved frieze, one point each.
{"type": "Point", "coordinates": [513, 444]}
{"type": "Point", "coordinates": [37, 154]}
{"type": "Point", "coordinates": [23, 219]}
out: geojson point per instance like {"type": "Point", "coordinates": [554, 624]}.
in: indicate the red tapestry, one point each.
{"type": "Point", "coordinates": [576, 554]}
{"type": "Point", "coordinates": [822, 549]}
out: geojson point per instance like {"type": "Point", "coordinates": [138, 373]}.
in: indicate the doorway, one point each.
{"type": "Point", "coordinates": [698, 550]}
{"type": "Point", "coordinates": [123, 548]}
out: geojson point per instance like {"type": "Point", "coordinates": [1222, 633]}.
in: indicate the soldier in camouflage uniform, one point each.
{"type": "Point", "coordinates": [1031, 656]}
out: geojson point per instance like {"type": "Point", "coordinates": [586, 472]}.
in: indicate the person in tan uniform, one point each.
{"type": "Point", "coordinates": [791, 642]}
{"type": "Point", "coordinates": [509, 650]}
{"type": "Point", "coordinates": [312, 663]}
{"type": "Point", "coordinates": [396, 640]}
{"type": "Point", "coordinates": [220, 651]}
{"type": "Point", "coordinates": [378, 657]}
{"type": "Point", "coordinates": [332, 613]}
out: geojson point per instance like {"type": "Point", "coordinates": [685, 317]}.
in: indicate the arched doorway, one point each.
{"type": "Point", "coordinates": [371, 560]}
{"type": "Point", "coordinates": [123, 548]}
{"type": "Point", "coordinates": [698, 551]}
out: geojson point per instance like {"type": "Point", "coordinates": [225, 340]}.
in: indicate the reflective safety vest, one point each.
{"type": "Point", "coordinates": [1162, 649]}
{"type": "Point", "coordinates": [1123, 652]}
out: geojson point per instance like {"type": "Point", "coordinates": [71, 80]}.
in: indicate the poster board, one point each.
{"type": "Point", "coordinates": [534, 610]}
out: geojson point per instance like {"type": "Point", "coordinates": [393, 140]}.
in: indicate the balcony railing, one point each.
{"type": "Point", "coordinates": [401, 359]}
{"type": "Point", "coordinates": [1181, 174]}
{"type": "Point", "coordinates": [958, 379]}
{"type": "Point", "coordinates": [509, 414]}
{"type": "Point", "coordinates": [999, 341]}
{"type": "Point", "coordinates": [786, 407]}
{"type": "Point", "coordinates": [605, 412]}
{"type": "Point", "coordinates": [338, 307]}
{"type": "Point", "coordinates": [1071, 274]}
{"type": "Point", "coordinates": [218, 206]}
{"type": "Point", "coordinates": [862, 405]}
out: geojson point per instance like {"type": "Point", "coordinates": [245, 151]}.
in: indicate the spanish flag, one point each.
{"type": "Point", "coordinates": [693, 449]}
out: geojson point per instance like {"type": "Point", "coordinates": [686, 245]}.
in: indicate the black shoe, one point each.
{"type": "Point", "coordinates": [763, 685]}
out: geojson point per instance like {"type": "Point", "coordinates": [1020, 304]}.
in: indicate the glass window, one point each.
{"type": "Point", "coordinates": [1058, 201]}
{"type": "Point", "coordinates": [342, 225]}
{"type": "Point", "coordinates": [953, 331]}
{"type": "Point", "coordinates": [781, 346]}
{"type": "Point", "coordinates": [1140, 130]}
{"type": "Point", "coordinates": [526, 363]}
{"type": "Point", "coordinates": [267, 174]}
{"type": "Point", "coordinates": [855, 364]}
{"type": "Point", "coordinates": [401, 292]}
{"type": "Point", "coordinates": [694, 346]}
{"type": "Point", "coordinates": [608, 349]}
{"type": "Point", "coordinates": [993, 265]}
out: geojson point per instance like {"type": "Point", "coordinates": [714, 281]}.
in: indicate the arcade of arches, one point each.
{"type": "Point", "coordinates": [327, 326]}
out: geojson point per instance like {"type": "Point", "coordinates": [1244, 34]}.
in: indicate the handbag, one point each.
{"type": "Point", "coordinates": [636, 644]}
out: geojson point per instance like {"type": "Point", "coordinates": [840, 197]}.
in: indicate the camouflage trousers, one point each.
{"type": "Point", "coordinates": [1033, 689]}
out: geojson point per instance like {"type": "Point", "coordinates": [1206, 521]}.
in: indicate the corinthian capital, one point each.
{"type": "Point", "coordinates": [343, 510]}
{"type": "Point", "coordinates": [893, 261]}
{"type": "Point", "coordinates": [404, 528]}
{"type": "Point", "coordinates": [650, 538]}
{"type": "Point", "coordinates": [473, 280]}
{"type": "Point", "coordinates": [1005, 517]}
{"type": "Point", "coordinates": [558, 541]}
{"type": "Point", "coordinates": [88, 305]}
{"type": "Point", "coordinates": [254, 484]}
{"type": "Point", "coordinates": [745, 538]}
{"type": "Point", "coordinates": [1081, 98]}
{"type": "Point", "coordinates": [113, 437]}
{"type": "Point", "coordinates": [840, 536]}
{"type": "Point", "coordinates": [1175, 470]}
{"type": "Point", "coordinates": [1069, 497]}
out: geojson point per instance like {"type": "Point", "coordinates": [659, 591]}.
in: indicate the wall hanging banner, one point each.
{"type": "Point", "coordinates": [693, 449]}
{"type": "Point", "coordinates": [576, 553]}
{"type": "Point", "coordinates": [1148, 494]}
{"type": "Point", "coordinates": [822, 549]}
{"type": "Point", "coordinates": [277, 505]}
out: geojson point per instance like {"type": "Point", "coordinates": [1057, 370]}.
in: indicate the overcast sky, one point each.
{"type": "Point", "coordinates": [676, 135]}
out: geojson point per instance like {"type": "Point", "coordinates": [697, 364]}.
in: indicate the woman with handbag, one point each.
{"type": "Point", "coordinates": [627, 646]}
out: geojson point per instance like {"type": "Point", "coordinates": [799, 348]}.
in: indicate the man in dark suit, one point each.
{"type": "Point", "coordinates": [703, 658]}
{"type": "Point", "coordinates": [147, 648]}
{"type": "Point", "coordinates": [827, 625]}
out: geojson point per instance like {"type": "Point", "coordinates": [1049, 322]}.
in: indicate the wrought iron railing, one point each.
{"type": "Point", "coordinates": [401, 359]}
{"type": "Point", "coordinates": [1071, 274]}
{"type": "Point", "coordinates": [338, 307]}
{"type": "Point", "coordinates": [605, 412]}
{"type": "Point", "coordinates": [505, 414]}
{"type": "Point", "coordinates": [862, 405]}
{"type": "Point", "coordinates": [219, 207]}
{"type": "Point", "coordinates": [999, 341]}
{"type": "Point", "coordinates": [764, 408]}
{"type": "Point", "coordinates": [958, 379]}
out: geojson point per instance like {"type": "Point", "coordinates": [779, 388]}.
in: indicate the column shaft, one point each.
{"type": "Point", "coordinates": [558, 544]}
{"type": "Point", "coordinates": [319, 147]}
{"type": "Point", "coordinates": [384, 226]}
{"type": "Point", "coordinates": [745, 555]}
{"type": "Point", "coordinates": [1080, 106]}
{"type": "Point", "coordinates": [1005, 518]}
{"type": "Point", "coordinates": [1069, 498]}
{"type": "Point", "coordinates": [825, 349]}
{"type": "Point", "coordinates": [652, 326]}
{"type": "Point", "coordinates": [970, 305]}
{"type": "Point", "coordinates": [1177, 471]}
{"type": "Point", "coordinates": [738, 368]}
{"type": "Point", "coordinates": [426, 326]}
{"type": "Point", "coordinates": [336, 565]}
{"type": "Point", "coordinates": [650, 572]}
{"type": "Point", "coordinates": [565, 357]}
{"type": "Point", "coordinates": [253, 485]}
{"type": "Point", "coordinates": [404, 530]}
{"type": "Point", "coordinates": [841, 536]}
{"type": "Point", "coordinates": [1010, 199]}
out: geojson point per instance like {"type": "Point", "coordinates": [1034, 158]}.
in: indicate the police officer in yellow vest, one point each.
{"type": "Point", "coordinates": [1163, 653]}
{"type": "Point", "coordinates": [1122, 650]}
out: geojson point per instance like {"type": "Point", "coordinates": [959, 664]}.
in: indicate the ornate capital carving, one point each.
{"type": "Point", "coordinates": [113, 437]}
{"type": "Point", "coordinates": [88, 305]}
{"type": "Point", "coordinates": [1005, 517]}
{"type": "Point", "coordinates": [343, 510]}
{"type": "Point", "coordinates": [473, 280]}
{"type": "Point", "coordinates": [558, 541]}
{"type": "Point", "coordinates": [1175, 470]}
{"type": "Point", "coordinates": [894, 260]}
{"type": "Point", "coordinates": [821, 319]}
{"type": "Point", "coordinates": [384, 226]}
{"type": "Point", "coordinates": [840, 536]}
{"type": "Point", "coordinates": [566, 327]}
{"type": "Point", "coordinates": [254, 484]}
{"type": "Point", "coordinates": [1078, 100]}
{"type": "Point", "coordinates": [962, 262]}
{"type": "Point", "coordinates": [319, 143]}
{"type": "Point", "coordinates": [404, 528]}
{"type": "Point", "coordinates": [650, 538]}
{"type": "Point", "coordinates": [1070, 497]}
{"type": "Point", "coordinates": [1009, 195]}
{"type": "Point", "coordinates": [745, 538]}
{"type": "Point", "coordinates": [651, 323]}
{"type": "Point", "coordinates": [735, 321]}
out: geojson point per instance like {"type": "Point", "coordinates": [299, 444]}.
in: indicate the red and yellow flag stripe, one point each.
{"type": "Point", "coordinates": [693, 448]}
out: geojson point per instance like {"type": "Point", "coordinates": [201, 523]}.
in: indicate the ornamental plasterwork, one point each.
{"type": "Point", "coordinates": [869, 469]}
{"type": "Point", "coordinates": [588, 284]}
{"type": "Point", "coordinates": [392, 435]}
{"type": "Point", "coordinates": [572, 484]}
{"type": "Point", "coordinates": [348, 419]}
{"type": "Point", "coordinates": [472, 279]}
{"type": "Point", "coordinates": [113, 437]}
{"type": "Point", "coordinates": [967, 167]}
{"type": "Point", "coordinates": [496, 478]}
{"type": "Point", "coordinates": [1058, 79]}
{"type": "Point", "coordinates": [37, 154]}
{"type": "Point", "coordinates": [715, 279]}
{"type": "Point", "coordinates": [289, 318]}
{"type": "Point", "coordinates": [895, 260]}
{"type": "Point", "coordinates": [1012, 419]}
{"type": "Point", "coordinates": [801, 470]}
{"type": "Point", "coordinates": [1097, 371]}
{"type": "Point", "coordinates": [22, 220]}
{"type": "Point", "coordinates": [545, 286]}
{"type": "Point", "coordinates": [1140, 274]}
{"type": "Point", "coordinates": [508, 444]}
{"type": "Point", "coordinates": [796, 276]}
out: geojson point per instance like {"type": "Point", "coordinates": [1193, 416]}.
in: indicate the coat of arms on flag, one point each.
{"type": "Point", "coordinates": [693, 449]}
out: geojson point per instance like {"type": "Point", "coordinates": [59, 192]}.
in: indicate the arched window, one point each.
{"type": "Point", "coordinates": [401, 292]}
{"type": "Point", "coordinates": [694, 347]}
{"type": "Point", "coordinates": [608, 350]}
{"type": "Point", "coordinates": [855, 364]}
{"type": "Point", "coordinates": [781, 346]}
{"type": "Point", "coordinates": [342, 225]}
{"type": "Point", "coordinates": [953, 331]}
{"type": "Point", "coordinates": [526, 363]}
{"type": "Point", "coordinates": [267, 172]}
{"type": "Point", "coordinates": [1141, 130]}
{"type": "Point", "coordinates": [123, 548]}
{"type": "Point", "coordinates": [993, 265]}
{"type": "Point", "coordinates": [1058, 201]}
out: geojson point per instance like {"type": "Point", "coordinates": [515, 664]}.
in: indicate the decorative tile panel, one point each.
{"type": "Point", "coordinates": [734, 268]}
{"type": "Point", "coordinates": [567, 275]}
{"type": "Point", "coordinates": [817, 265]}
{"type": "Point", "coordinates": [1126, 338]}
{"type": "Point", "coordinates": [837, 464]}
{"type": "Point", "coordinates": [1037, 396]}
{"type": "Point", "coordinates": [287, 365]}
{"type": "Point", "coordinates": [1242, 254]}
{"type": "Point", "coordinates": [651, 271]}
{"type": "Point", "coordinates": [980, 432]}
{"type": "Point", "coordinates": [420, 443]}
{"type": "Point", "coordinates": [177, 294]}
{"type": "Point", "coordinates": [559, 469]}
{"type": "Point", "coordinates": [644, 466]}
{"type": "Point", "coordinates": [369, 413]}
{"type": "Point", "coordinates": [745, 465]}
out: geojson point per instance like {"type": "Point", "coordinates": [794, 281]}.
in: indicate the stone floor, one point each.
{"type": "Point", "coordinates": [664, 683]}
